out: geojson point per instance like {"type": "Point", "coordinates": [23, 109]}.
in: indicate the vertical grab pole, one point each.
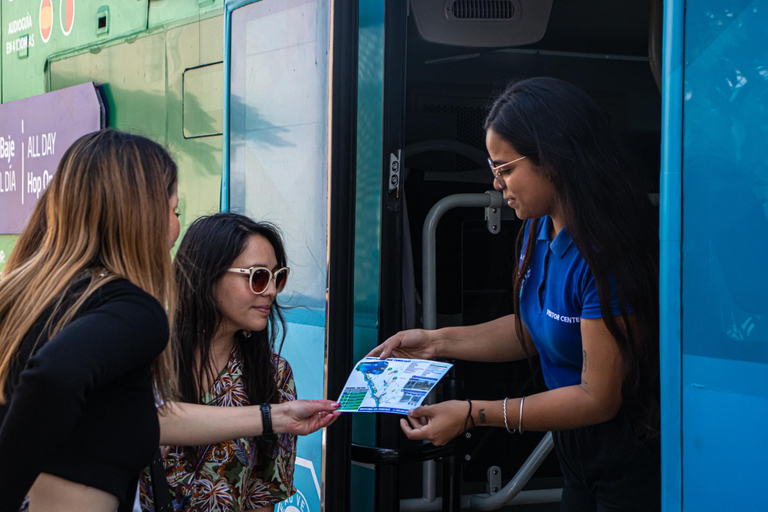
{"type": "Point", "coordinates": [429, 289]}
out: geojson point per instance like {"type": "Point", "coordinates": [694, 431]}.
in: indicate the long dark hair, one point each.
{"type": "Point", "coordinates": [207, 250]}
{"type": "Point", "coordinates": [607, 214]}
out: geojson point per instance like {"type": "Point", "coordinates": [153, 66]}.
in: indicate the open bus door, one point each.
{"type": "Point", "coordinates": [443, 63]}
{"type": "Point", "coordinates": [413, 476]}
{"type": "Point", "coordinates": [289, 158]}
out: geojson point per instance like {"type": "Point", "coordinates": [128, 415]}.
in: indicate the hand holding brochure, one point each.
{"type": "Point", "coordinates": [391, 385]}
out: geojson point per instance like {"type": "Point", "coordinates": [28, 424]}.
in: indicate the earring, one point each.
{"type": "Point", "coordinates": [246, 333]}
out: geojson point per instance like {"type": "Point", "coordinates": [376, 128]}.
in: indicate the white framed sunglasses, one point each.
{"type": "Point", "coordinates": [259, 278]}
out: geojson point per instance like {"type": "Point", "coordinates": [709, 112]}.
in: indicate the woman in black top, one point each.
{"type": "Point", "coordinates": [84, 335]}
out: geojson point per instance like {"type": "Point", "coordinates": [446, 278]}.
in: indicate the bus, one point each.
{"type": "Point", "coordinates": [356, 126]}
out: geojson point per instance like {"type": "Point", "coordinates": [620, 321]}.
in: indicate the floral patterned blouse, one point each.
{"type": "Point", "coordinates": [223, 477]}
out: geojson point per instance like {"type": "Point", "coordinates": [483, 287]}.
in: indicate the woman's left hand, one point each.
{"type": "Point", "coordinates": [437, 423]}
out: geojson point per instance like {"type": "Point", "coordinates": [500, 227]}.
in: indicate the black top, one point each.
{"type": "Point", "coordinates": [83, 408]}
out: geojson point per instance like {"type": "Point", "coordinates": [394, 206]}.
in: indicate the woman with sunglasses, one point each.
{"type": "Point", "coordinates": [229, 330]}
{"type": "Point", "coordinates": [585, 300]}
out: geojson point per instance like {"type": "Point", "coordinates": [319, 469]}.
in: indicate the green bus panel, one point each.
{"type": "Point", "coordinates": [34, 32]}
{"type": "Point", "coordinates": [143, 78]}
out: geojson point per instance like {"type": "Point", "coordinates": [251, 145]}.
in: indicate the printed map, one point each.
{"type": "Point", "coordinates": [392, 385]}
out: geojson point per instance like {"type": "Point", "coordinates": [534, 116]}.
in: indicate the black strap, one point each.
{"type": "Point", "coordinates": [266, 422]}
{"type": "Point", "coordinates": [160, 490]}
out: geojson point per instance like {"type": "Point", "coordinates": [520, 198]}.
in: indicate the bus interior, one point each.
{"type": "Point", "coordinates": [454, 67]}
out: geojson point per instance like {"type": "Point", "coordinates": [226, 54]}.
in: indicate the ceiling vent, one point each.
{"type": "Point", "coordinates": [481, 9]}
{"type": "Point", "coordinates": [481, 23]}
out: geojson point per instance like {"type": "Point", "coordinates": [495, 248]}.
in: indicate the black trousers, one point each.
{"type": "Point", "coordinates": [607, 468]}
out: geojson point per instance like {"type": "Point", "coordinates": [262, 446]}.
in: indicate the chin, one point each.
{"type": "Point", "coordinates": [257, 326]}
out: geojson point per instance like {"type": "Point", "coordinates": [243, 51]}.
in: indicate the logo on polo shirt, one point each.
{"type": "Point", "coordinates": [563, 318]}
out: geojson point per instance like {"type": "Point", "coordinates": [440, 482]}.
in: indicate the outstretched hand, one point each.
{"type": "Point", "coordinates": [410, 344]}
{"type": "Point", "coordinates": [438, 423]}
{"type": "Point", "coordinates": [302, 417]}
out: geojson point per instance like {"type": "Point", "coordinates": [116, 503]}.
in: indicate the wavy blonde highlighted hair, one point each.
{"type": "Point", "coordinates": [106, 208]}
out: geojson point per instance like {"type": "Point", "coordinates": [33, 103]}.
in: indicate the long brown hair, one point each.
{"type": "Point", "coordinates": [106, 208]}
{"type": "Point", "coordinates": [607, 214]}
{"type": "Point", "coordinates": [207, 250]}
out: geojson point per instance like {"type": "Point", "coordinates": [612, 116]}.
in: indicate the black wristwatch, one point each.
{"type": "Point", "coordinates": [266, 421]}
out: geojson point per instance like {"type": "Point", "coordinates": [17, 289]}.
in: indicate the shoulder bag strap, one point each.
{"type": "Point", "coordinates": [160, 490]}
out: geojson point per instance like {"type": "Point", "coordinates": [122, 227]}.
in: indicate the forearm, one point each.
{"type": "Point", "coordinates": [183, 424]}
{"type": "Point", "coordinates": [492, 341]}
{"type": "Point", "coordinates": [558, 409]}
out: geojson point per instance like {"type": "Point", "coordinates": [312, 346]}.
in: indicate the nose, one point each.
{"type": "Point", "coordinates": [271, 290]}
{"type": "Point", "coordinates": [498, 184]}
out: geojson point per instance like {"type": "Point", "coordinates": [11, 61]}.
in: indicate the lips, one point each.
{"type": "Point", "coordinates": [263, 309]}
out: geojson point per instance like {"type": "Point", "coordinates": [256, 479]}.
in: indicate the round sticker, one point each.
{"type": "Point", "coordinates": [296, 503]}
{"type": "Point", "coordinates": [67, 16]}
{"type": "Point", "coordinates": [46, 20]}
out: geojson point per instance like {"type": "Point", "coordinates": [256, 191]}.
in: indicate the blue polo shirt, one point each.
{"type": "Point", "coordinates": [559, 290]}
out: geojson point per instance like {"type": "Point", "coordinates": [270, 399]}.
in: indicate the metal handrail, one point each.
{"type": "Point", "coordinates": [388, 456]}
{"type": "Point", "coordinates": [513, 492]}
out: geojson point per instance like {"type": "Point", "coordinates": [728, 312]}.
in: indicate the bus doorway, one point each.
{"type": "Point", "coordinates": [443, 66]}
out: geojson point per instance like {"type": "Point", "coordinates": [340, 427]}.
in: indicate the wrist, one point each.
{"type": "Point", "coordinates": [266, 420]}
{"type": "Point", "coordinates": [437, 341]}
{"type": "Point", "coordinates": [279, 419]}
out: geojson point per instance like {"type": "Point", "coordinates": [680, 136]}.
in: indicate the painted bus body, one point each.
{"type": "Point", "coordinates": [182, 72]}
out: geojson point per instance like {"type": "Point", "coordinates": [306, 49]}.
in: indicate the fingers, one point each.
{"type": "Point", "coordinates": [419, 412]}
{"type": "Point", "coordinates": [421, 432]}
{"type": "Point", "coordinates": [376, 352]}
{"type": "Point", "coordinates": [333, 417]}
{"type": "Point", "coordinates": [316, 406]}
{"type": "Point", "coordinates": [411, 432]}
{"type": "Point", "coordinates": [384, 350]}
{"type": "Point", "coordinates": [315, 422]}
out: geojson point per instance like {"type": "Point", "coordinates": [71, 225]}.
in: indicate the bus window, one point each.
{"type": "Point", "coordinates": [278, 171]}
{"type": "Point", "coordinates": [203, 99]}
{"type": "Point", "coordinates": [278, 130]}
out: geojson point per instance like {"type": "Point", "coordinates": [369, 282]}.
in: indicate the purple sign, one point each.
{"type": "Point", "coordinates": [34, 134]}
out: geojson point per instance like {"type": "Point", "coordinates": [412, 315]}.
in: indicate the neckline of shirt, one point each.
{"type": "Point", "coordinates": [560, 244]}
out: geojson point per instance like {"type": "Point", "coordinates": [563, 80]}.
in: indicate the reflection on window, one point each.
{"type": "Point", "coordinates": [203, 100]}
{"type": "Point", "coordinates": [725, 185]}
{"type": "Point", "coordinates": [278, 130]}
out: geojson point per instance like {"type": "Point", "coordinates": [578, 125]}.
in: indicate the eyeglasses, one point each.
{"type": "Point", "coordinates": [496, 169]}
{"type": "Point", "coordinates": [259, 278]}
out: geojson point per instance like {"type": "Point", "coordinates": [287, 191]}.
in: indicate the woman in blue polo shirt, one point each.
{"type": "Point", "coordinates": [585, 301]}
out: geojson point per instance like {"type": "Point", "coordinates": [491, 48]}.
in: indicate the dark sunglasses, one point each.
{"type": "Point", "coordinates": [259, 278]}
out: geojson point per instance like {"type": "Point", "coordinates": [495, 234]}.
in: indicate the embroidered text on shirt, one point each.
{"type": "Point", "coordinates": [564, 319]}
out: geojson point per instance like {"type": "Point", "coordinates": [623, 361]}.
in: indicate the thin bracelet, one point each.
{"type": "Point", "coordinates": [520, 419]}
{"type": "Point", "coordinates": [469, 416]}
{"type": "Point", "coordinates": [505, 417]}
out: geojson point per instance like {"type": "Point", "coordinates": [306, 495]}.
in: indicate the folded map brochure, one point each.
{"type": "Point", "coordinates": [391, 385]}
